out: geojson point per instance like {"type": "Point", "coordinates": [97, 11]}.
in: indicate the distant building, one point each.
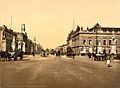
{"type": "Point", "coordinates": [29, 44]}
{"type": "Point", "coordinates": [96, 39]}
{"type": "Point", "coordinates": [22, 41]}
{"type": "Point", "coordinates": [62, 49]}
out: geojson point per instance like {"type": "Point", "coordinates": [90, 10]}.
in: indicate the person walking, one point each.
{"type": "Point", "coordinates": [108, 61]}
{"type": "Point", "coordinates": [105, 56]}
{"type": "Point", "coordinates": [33, 54]}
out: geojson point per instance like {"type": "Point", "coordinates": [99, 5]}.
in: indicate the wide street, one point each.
{"type": "Point", "coordinates": [59, 72]}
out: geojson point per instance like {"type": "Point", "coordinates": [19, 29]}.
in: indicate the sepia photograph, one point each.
{"type": "Point", "coordinates": [59, 43]}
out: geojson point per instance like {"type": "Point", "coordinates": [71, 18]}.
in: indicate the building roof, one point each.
{"type": "Point", "coordinates": [104, 29]}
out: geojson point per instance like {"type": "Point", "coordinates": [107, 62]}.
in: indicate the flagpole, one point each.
{"type": "Point", "coordinates": [11, 23]}
{"type": "Point", "coordinates": [73, 24]}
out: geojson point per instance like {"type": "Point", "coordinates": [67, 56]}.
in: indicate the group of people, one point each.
{"type": "Point", "coordinates": [99, 56]}
{"type": "Point", "coordinates": [104, 56]}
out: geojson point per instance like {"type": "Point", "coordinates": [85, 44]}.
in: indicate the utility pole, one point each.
{"type": "Point", "coordinates": [73, 24]}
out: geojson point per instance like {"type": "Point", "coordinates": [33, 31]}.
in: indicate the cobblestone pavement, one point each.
{"type": "Point", "coordinates": [59, 72]}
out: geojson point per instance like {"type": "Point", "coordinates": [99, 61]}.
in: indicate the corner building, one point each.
{"type": "Point", "coordinates": [96, 39]}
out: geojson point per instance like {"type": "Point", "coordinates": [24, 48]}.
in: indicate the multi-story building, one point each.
{"type": "Point", "coordinates": [73, 40]}
{"type": "Point", "coordinates": [22, 41]}
{"type": "Point", "coordinates": [39, 49]}
{"type": "Point", "coordinates": [10, 40]}
{"type": "Point", "coordinates": [96, 39]}
{"type": "Point", "coordinates": [1, 38]}
{"type": "Point", "coordinates": [62, 49]}
{"type": "Point", "coordinates": [7, 39]}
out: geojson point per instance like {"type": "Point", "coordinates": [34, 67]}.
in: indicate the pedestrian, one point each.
{"type": "Point", "coordinates": [108, 61]}
{"type": "Point", "coordinates": [89, 55]}
{"type": "Point", "coordinates": [93, 54]}
{"type": "Point", "coordinates": [73, 55]}
{"type": "Point", "coordinates": [105, 56]}
{"type": "Point", "coordinates": [33, 54]}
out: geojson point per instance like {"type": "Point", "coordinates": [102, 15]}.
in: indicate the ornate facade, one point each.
{"type": "Point", "coordinates": [12, 41]}
{"type": "Point", "coordinates": [96, 39]}
{"type": "Point", "coordinates": [7, 39]}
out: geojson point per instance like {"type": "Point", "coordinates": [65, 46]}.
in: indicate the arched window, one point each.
{"type": "Point", "coordinates": [84, 42]}
{"type": "Point", "coordinates": [109, 50]}
{"type": "Point", "coordinates": [110, 42]}
{"type": "Point", "coordinates": [90, 42]}
{"type": "Point", "coordinates": [3, 35]}
{"type": "Point", "coordinates": [104, 51]}
{"type": "Point", "coordinates": [104, 42]}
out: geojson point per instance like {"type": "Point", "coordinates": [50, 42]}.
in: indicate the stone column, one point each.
{"type": "Point", "coordinates": [4, 45]}
{"type": "Point", "coordinates": [100, 50]}
{"type": "Point", "coordinates": [13, 44]}
{"type": "Point", "coordinates": [23, 49]}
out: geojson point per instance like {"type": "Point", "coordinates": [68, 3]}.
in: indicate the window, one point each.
{"type": "Point", "coordinates": [84, 42]}
{"type": "Point", "coordinates": [116, 41]}
{"type": "Point", "coordinates": [99, 42]}
{"type": "Point", "coordinates": [90, 41]}
{"type": "Point", "coordinates": [104, 42]}
{"type": "Point", "coordinates": [110, 42]}
{"type": "Point", "coordinates": [109, 50]}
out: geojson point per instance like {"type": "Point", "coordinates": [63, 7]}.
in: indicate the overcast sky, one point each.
{"type": "Point", "coordinates": [50, 21]}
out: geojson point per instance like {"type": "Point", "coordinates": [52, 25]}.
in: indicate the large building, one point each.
{"type": "Point", "coordinates": [97, 39]}
{"type": "Point", "coordinates": [7, 39]}
{"type": "Point", "coordinates": [1, 38]}
{"type": "Point", "coordinates": [11, 41]}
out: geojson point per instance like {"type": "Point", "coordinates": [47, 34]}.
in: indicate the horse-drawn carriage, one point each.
{"type": "Point", "coordinates": [16, 54]}
{"type": "Point", "coordinates": [70, 52]}
{"type": "Point", "coordinates": [8, 56]}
